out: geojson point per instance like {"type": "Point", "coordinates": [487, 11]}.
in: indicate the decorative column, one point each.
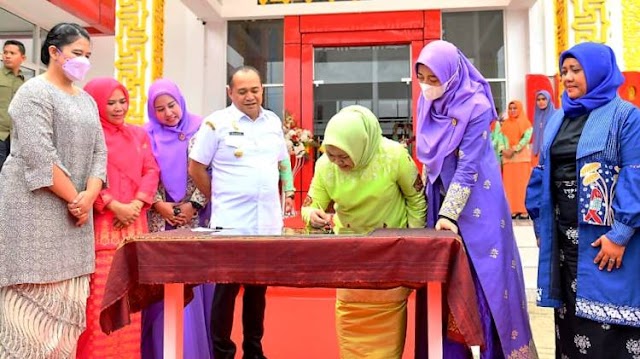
{"type": "Point", "coordinates": [580, 21]}
{"type": "Point", "coordinates": [603, 21]}
{"type": "Point", "coordinates": [562, 31]}
{"type": "Point", "coordinates": [590, 21]}
{"type": "Point", "coordinates": [612, 22]}
{"type": "Point", "coordinates": [139, 41]}
{"type": "Point", "coordinates": [157, 41]}
{"type": "Point", "coordinates": [631, 34]}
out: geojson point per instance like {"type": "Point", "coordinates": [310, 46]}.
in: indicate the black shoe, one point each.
{"type": "Point", "coordinates": [254, 356]}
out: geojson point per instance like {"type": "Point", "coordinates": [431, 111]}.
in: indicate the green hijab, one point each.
{"type": "Point", "coordinates": [356, 131]}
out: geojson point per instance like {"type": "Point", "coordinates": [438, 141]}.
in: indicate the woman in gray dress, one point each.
{"type": "Point", "coordinates": [56, 168]}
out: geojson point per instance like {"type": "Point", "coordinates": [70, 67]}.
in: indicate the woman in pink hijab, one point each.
{"type": "Point", "coordinates": [119, 211]}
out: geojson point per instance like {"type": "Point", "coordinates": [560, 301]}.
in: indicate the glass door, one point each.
{"type": "Point", "coordinates": [376, 77]}
{"type": "Point", "coordinates": [336, 60]}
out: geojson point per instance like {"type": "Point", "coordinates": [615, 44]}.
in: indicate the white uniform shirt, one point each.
{"type": "Point", "coordinates": [244, 156]}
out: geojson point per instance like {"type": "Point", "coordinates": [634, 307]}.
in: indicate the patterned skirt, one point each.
{"type": "Point", "coordinates": [124, 343]}
{"type": "Point", "coordinates": [578, 337]}
{"type": "Point", "coordinates": [42, 321]}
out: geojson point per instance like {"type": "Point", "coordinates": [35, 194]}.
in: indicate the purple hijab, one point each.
{"type": "Point", "coordinates": [170, 144]}
{"type": "Point", "coordinates": [467, 96]}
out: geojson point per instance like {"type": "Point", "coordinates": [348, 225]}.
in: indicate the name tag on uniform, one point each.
{"type": "Point", "coordinates": [236, 141]}
{"type": "Point", "coordinates": [236, 133]}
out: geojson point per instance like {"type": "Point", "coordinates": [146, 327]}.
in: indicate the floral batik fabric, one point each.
{"type": "Point", "coordinates": [578, 337]}
{"type": "Point", "coordinates": [469, 191]}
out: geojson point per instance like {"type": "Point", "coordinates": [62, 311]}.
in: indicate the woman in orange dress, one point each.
{"type": "Point", "coordinates": [119, 211]}
{"type": "Point", "coordinates": [516, 158]}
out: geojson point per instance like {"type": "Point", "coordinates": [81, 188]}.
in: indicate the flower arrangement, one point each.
{"type": "Point", "coordinates": [403, 133]}
{"type": "Point", "coordinates": [299, 141]}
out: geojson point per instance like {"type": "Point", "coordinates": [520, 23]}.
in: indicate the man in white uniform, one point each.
{"type": "Point", "coordinates": [244, 146]}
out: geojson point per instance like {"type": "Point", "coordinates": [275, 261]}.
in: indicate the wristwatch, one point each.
{"type": "Point", "coordinates": [290, 194]}
{"type": "Point", "coordinates": [196, 205]}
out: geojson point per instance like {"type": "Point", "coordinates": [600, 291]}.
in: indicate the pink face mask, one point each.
{"type": "Point", "coordinates": [76, 68]}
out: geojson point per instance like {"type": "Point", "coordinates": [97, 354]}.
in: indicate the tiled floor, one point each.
{"type": "Point", "coordinates": [542, 327]}
{"type": "Point", "coordinates": [541, 318]}
{"type": "Point", "coordinates": [543, 330]}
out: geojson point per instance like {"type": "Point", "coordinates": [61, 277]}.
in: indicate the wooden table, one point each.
{"type": "Point", "coordinates": [148, 267]}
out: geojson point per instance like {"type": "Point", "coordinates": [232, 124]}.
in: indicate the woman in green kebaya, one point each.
{"type": "Point", "coordinates": [373, 183]}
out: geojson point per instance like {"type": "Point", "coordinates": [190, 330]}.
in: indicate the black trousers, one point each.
{"type": "Point", "coordinates": [253, 306]}
{"type": "Point", "coordinates": [5, 146]}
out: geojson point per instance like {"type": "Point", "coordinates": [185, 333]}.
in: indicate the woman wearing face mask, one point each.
{"type": "Point", "coordinates": [119, 211]}
{"type": "Point", "coordinates": [177, 204]}
{"type": "Point", "coordinates": [373, 183]}
{"type": "Point", "coordinates": [543, 111]}
{"type": "Point", "coordinates": [55, 171]}
{"type": "Point", "coordinates": [465, 195]}
{"type": "Point", "coordinates": [516, 158]}
{"type": "Point", "coordinates": [583, 198]}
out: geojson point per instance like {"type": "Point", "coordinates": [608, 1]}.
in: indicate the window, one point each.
{"type": "Point", "coordinates": [259, 44]}
{"type": "Point", "coordinates": [480, 36]}
{"type": "Point", "coordinates": [13, 27]}
{"type": "Point", "coordinates": [376, 77]}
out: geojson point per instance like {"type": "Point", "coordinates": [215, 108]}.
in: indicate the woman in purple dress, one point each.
{"type": "Point", "coordinates": [177, 204]}
{"type": "Point", "coordinates": [465, 195]}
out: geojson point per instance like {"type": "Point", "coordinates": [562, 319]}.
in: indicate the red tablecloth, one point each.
{"type": "Point", "coordinates": [383, 259]}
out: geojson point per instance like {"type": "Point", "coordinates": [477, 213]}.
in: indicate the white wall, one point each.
{"type": "Point", "coordinates": [214, 45]}
{"type": "Point", "coordinates": [215, 66]}
{"type": "Point", "coordinates": [184, 53]}
{"type": "Point", "coordinates": [616, 31]}
{"type": "Point", "coordinates": [542, 38]}
{"type": "Point", "coordinates": [518, 52]}
{"type": "Point", "coordinates": [103, 55]}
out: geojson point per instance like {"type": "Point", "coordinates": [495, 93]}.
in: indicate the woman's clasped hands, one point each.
{"type": "Point", "coordinates": [125, 213]}
{"type": "Point", "coordinates": [80, 207]}
{"type": "Point", "coordinates": [176, 214]}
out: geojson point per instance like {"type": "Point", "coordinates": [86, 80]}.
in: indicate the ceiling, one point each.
{"type": "Point", "coordinates": [19, 16]}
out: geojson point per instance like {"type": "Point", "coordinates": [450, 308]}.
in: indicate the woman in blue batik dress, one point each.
{"type": "Point", "coordinates": [584, 198]}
